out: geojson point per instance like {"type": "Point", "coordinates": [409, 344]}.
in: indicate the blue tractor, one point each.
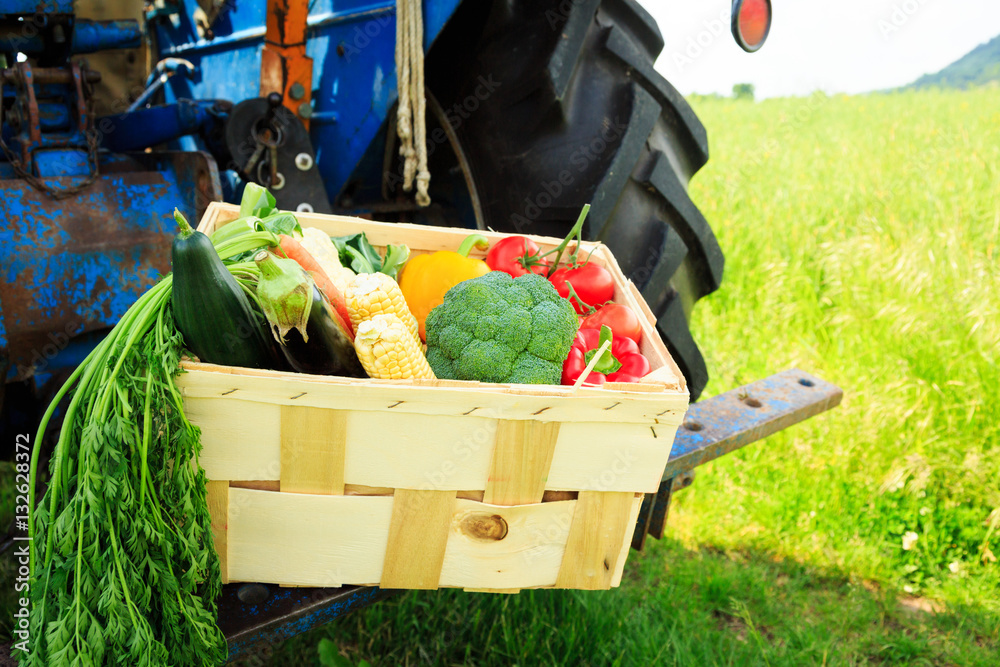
{"type": "Point", "coordinates": [532, 109]}
{"type": "Point", "coordinates": [524, 112]}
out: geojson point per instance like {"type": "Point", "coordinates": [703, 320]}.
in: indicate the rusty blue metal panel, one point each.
{"type": "Point", "coordinates": [82, 261]}
{"type": "Point", "coordinates": [61, 162]}
{"type": "Point", "coordinates": [738, 417]}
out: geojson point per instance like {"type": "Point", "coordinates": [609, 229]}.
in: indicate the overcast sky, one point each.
{"type": "Point", "coordinates": [848, 46]}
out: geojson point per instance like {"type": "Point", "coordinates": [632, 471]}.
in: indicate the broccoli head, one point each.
{"type": "Point", "coordinates": [496, 328]}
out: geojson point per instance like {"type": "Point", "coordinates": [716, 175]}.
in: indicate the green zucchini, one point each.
{"type": "Point", "coordinates": [211, 311]}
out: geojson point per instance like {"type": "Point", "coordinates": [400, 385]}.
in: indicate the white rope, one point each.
{"type": "Point", "coordinates": [411, 112]}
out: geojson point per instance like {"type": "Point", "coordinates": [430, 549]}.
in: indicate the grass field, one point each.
{"type": "Point", "coordinates": [862, 237]}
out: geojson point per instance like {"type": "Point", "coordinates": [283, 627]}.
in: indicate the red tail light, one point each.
{"type": "Point", "coordinates": [751, 23]}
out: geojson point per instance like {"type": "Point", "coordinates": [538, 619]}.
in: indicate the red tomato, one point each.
{"type": "Point", "coordinates": [593, 285]}
{"type": "Point", "coordinates": [517, 256]}
{"type": "Point", "coordinates": [621, 319]}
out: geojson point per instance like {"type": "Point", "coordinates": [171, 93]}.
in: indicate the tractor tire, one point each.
{"type": "Point", "coordinates": [555, 105]}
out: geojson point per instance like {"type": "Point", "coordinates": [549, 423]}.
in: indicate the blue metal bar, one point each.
{"type": "Point", "coordinates": [741, 416]}
{"type": "Point", "coordinates": [148, 127]}
{"type": "Point", "coordinates": [88, 37]}
{"type": "Point", "coordinates": [92, 36]}
{"type": "Point", "coordinates": [285, 612]}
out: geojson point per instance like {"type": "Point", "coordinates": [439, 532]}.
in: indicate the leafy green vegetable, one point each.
{"type": "Point", "coordinates": [280, 222]}
{"type": "Point", "coordinates": [257, 200]}
{"type": "Point", "coordinates": [358, 254]}
{"type": "Point", "coordinates": [123, 569]}
{"type": "Point", "coordinates": [395, 258]}
{"type": "Point", "coordinates": [244, 240]}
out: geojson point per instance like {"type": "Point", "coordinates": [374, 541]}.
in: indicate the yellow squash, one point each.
{"type": "Point", "coordinates": [426, 278]}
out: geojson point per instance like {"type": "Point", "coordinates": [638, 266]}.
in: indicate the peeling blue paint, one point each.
{"type": "Point", "coordinates": [82, 262]}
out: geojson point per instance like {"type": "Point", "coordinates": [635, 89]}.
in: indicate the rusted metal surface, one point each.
{"type": "Point", "coordinates": [62, 151]}
{"type": "Point", "coordinates": [77, 264]}
{"type": "Point", "coordinates": [284, 67]}
{"type": "Point", "coordinates": [56, 75]}
{"type": "Point", "coordinates": [741, 416]}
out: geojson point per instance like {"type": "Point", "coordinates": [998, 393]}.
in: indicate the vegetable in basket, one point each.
{"type": "Point", "coordinates": [312, 336]}
{"type": "Point", "coordinates": [517, 255]}
{"type": "Point", "coordinates": [621, 362]}
{"type": "Point", "coordinates": [622, 320]}
{"type": "Point", "coordinates": [292, 249]}
{"type": "Point", "coordinates": [586, 284]}
{"type": "Point", "coordinates": [211, 309]}
{"type": "Point", "coordinates": [373, 293]}
{"type": "Point", "coordinates": [318, 244]}
{"type": "Point", "coordinates": [496, 328]}
{"type": "Point", "coordinates": [427, 278]}
{"type": "Point", "coordinates": [388, 350]}
{"type": "Point", "coordinates": [361, 256]}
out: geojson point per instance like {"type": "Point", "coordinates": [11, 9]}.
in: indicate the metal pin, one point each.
{"type": "Point", "coordinates": [273, 158]}
{"type": "Point", "coordinates": [254, 158]}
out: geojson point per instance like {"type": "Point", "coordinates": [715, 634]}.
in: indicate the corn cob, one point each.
{"type": "Point", "coordinates": [373, 293]}
{"type": "Point", "coordinates": [319, 245]}
{"type": "Point", "coordinates": [389, 351]}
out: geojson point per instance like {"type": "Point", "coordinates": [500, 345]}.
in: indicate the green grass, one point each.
{"type": "Point", "coordinates": [863, 247]}
{"type": "Point", "coordinates": [676, 606]}
{"type": "Point", "coordinates": [862, 237]}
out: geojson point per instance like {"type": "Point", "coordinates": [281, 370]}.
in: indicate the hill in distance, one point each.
{"type": "Point", "coordinates": [976, 68]}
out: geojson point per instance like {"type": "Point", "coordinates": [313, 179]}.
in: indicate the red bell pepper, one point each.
{"type": "Point", "coordinates": [623, 362]}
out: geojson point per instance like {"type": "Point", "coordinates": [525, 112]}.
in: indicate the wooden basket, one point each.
{"type": "Point", "coordinates": [324, 481]}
